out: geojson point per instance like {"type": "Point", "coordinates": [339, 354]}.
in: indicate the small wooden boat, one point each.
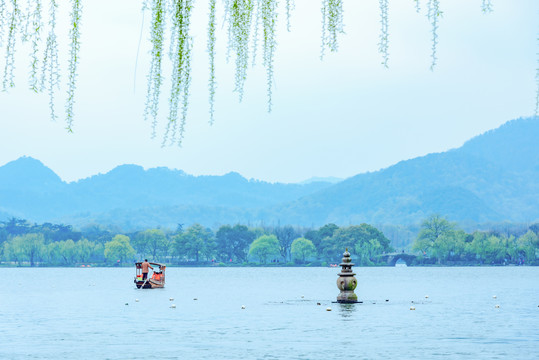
{"type": "Point", "coordinates": [157, 280]}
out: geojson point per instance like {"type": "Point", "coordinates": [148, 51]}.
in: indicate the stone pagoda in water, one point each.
{"type": "Point", "coordinates": [346, 281]}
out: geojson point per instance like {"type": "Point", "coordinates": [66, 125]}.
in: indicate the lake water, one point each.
{"type": "Point", "coordinates": [81, 313]}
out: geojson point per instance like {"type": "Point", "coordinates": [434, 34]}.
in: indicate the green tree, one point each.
{"type": "Point", "coordinates": [449, 245]}
{"type": "Point", "coordinates": [528, 245]}
{"type": "Point", "coordinates": [26, 247]}
{"type": "Point", "coordinates": [478, 246]}
{"type": "Point", "coordinates": [30, 246]}
{"type": "Point", "coordinates": [149, 241]}
{"type": "Point", "coordinates": [99, 233]}
{"type": "Point", "coordinates": [316, 236]}
{"type": "Point", "coordinates": [367, 242]}
{"type": "Point", "coordinates": [194, 242]}
{"type": "Point", "coordinates": [302, 249]}
{"type": "Point", "coordinates": [86, 250]}
{"type": "Point", "coordinates": [68, 251]}
{"type": "Point", "coordinates": [15, 226]}
{"type": "Point", "coordinates": [431, 229]}
{"type": "Point", "coordinates": [264, 247]}
{"type": "Point", "coordinates": [53, 253]}
{"type": "Point", "coordinates": [153, 240]}
{"type": "Point", "coordinates": [285, 235]}
{"type": "Point", "coordinates": [119, 248]}
{"type": "Point", "coordinates": [13, 252]}
{"type": "Point", "coordinates": [495, 250]}
{"type": "Point", "coordinates": [232, 243]}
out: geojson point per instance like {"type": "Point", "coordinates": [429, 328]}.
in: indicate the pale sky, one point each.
{"type": "Point", "coordinates": [338, 117]}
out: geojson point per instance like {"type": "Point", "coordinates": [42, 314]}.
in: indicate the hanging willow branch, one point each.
{"type": "Point", "coordinates": [417, 6]}
{"type": "Point", "coordinates": [14, 22]}
{"type": "Point", "coordinates": [269, 16]}
{"type": "Point", "coordinates": [35, 38]}
{"type": "Point", "coordinates": [433, 14]}
{"type": "Point", "coordinates": [240, 17]}
{"type": "Point", "coordinates": [383, 45]}
{"type": "Point", "coordinates": [211, 53]}
{"type": "Point", "coordinates": [486, 6]}
{"type": "Point", "coordinates": [28, 24]}
{"type": "Point", "coordinates": [50, 77]}
{"type": "Point", "coordinates": [154, 76]}
{"type": "Point", "coordinates": [74, 34]}
{"type": "Point", "coordinates": [181, 72]}
{"type": "Point", "coordinates": [3, 20]}
{"type": "Point", "coordinates": [258, 14]}
{"type": "Point", "coordinates": [290, 6]}
{"type": "Point", "coordinates": [332, 25]}
{"type": "Point", "coordinates": [537, 83]}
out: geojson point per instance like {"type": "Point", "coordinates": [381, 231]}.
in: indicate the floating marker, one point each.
{"type": "Point", "coordinates": [494, 296]}
{"type": "Point", "coordinates": [412, 307]}
{"type": "Point", "coordinates": [126, 303]}
{"type": "Point", "coordinates": [243, 306]}
{"type": "Point", "coordinates": [328, 309]}
{"type": "Point", "coordinates": [302, 296]}
{"type": "Point", "coordinates": [426, 296]}
{"type": "Point", "coordinates": [497, 306]}
{"type": "Point", "coordinates": [387, 300]}
{"type": "Point", "coordinates": [317, 303]}
{"type": "Point", "coordinates": [171, 299]}
{"type": "Point", "coordinates": [136, 300]}
{"type": "Point", "coordinates": [195, 299]}
{"type": "Point", "coordinates": [173, 306]}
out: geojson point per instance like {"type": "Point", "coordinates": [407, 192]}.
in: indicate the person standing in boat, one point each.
{"type": "Point", "coordinates": [145, 265]}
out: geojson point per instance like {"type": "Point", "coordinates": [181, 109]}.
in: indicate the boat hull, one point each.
{"type": "Point", "coordinates": [149, 284]}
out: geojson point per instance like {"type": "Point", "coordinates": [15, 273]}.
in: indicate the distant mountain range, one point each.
{"type": "Point", "coordinates": [492, 177]}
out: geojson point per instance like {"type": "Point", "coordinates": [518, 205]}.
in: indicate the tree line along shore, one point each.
{"type": "Point", "coordinates": [439, 242]}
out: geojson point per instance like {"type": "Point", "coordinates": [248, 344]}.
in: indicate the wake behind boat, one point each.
{"type": "Point", "coordinates": [157, 280]}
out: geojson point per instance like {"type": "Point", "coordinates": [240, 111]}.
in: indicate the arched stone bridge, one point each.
{"type": "Point", "coordinates": [392, 258]}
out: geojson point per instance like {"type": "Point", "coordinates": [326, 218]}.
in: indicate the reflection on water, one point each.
{"type": "Point", "coordinates": [347, 311]}
{"type": "Point", "coordinates": [272, 313]}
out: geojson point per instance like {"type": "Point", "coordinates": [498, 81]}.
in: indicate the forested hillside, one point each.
{"type": "Point", "coordinates": [493, 177]}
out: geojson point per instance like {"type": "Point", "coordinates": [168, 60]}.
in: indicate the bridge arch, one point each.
{"type": "Point", "coordinates": [392, 259]}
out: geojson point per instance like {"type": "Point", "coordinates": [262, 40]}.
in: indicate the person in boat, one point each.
{"type": "Point", "coordinates": [156, 275]}
{"type": "Point", "coordinates": [145, 266]}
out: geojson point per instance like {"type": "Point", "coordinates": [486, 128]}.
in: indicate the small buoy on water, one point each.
{"type": "Point", "coordinates": [318, 304]}
{"type": "Point", "coordinates": [243, 306]}
{"type": "Point", "coordinates": [173, 306]}
{"type": "Point", "coordinates": [126, 303]}
{"type": "Point", "coordinates": [136, 300]}
{"type": "Point", "coordinates": [302, 296]}
{"type": "Point", "coordinates": [494, 296]}
{"type": "Point", "coordinates": [387, 300]}
{"type": "Point", "coordinates": [171, 299]}
{"type": "Point", "coordinates": [195, 299]}
{"type": "Point", "coordinates": [497, 306]}
{"type": "Point", "coordinates": [412, 307]}
{"type": "Point", "coordinates": [426, 296]}
{"type": "Point", "coordinates": [328, 309]}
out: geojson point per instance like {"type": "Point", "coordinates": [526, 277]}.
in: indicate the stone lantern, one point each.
{"type": "Point", "coordinates": [346, 281]}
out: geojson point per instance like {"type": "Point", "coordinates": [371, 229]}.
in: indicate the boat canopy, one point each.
{"type": "Point", "coordinates": [161, 266]}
